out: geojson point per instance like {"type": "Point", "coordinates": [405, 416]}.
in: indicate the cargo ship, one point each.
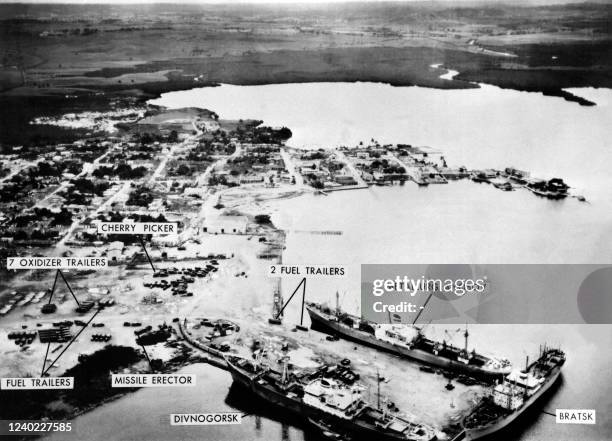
{"type": "Point", "coordinates": [408, 341]}
{"type": "Point", "coordinates": [517, 393]}
{"type": "Point", "coordinates": [327, 397]}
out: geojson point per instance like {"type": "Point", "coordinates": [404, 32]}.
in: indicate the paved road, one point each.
{"type": "Point", "coordinates": [18, 170]}
{"type": "Point", "coordinates": [187, 142]}
{"type": "Point", "coordinates": [299, 179]}
{"type": "Point", "coordinates": [86, 171]}
{"type": "Point", "coordinates": [341, 156]}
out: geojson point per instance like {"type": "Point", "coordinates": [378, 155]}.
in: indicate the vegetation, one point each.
{"type": "Point", "coordinates": [85, 185]}
{"type": "Point", "coordinates": [217, 180]}
{"type": "Point", "coordinates": [384, 166]}
{"type": "Point", "coordinates": [389, 49]}
{"type": "Point", "coordinates": [63, 217]}
{"type": "Point", "coordinates": [122, 171]}
{"type": "Point", "coordinates": [263, 219]}
{"type": "Point", "coordinates": [140, 196]}
{"type": "Point", "coordinates": [147, 138]}
{"type": "Point", "coordinates": [91, 385]}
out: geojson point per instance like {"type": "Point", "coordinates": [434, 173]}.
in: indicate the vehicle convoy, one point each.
{"type": "Point", "coordinates": [408, 341]}
{"type": "Point", "coordinates": [328, 396]}
{"type": "Point", "coordinates": [519, 391]}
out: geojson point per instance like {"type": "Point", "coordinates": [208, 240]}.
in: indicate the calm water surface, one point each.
{"type": "Point", "coordinates": [478, 128]}
{"type": "Point", "coordinates": [144, 415]}
{"type": "Point", "coordinates": [485, 127]}
{"type": "Point", "coordinates": [461, 222]}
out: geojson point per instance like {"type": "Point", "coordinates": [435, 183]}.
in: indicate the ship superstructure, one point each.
{"type": "Point", "coordinates": [327, 397]}
{"type": "Point", "coordinates": [519, 390]}
{"type": "Point", "coordinates": [408, 341]}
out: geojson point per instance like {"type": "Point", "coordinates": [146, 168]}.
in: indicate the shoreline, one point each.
{"type": "Point", "coordinates": [112, 394]}
{"type": "Point", "coordinates": [403, 67]}
{"type": "Point", "coordinates": [242, 201]}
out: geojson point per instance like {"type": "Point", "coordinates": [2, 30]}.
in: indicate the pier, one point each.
{"type": "Point", "coordinates": [216, 357]}
{"type": "Point", "coordinates": [325, 233]}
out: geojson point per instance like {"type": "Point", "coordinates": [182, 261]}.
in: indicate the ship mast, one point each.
{"type": "Point", "coordinates": [540, 351]}
{"type": "Point", "coordinates": [284, 375]}
{"type": "Point", "coordinates": [377, 389]}
{"type": "Point", "coordinates": [526, 363]}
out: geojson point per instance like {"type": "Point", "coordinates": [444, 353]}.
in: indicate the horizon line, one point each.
{"type": "Point", "coordinates": [513, 3]}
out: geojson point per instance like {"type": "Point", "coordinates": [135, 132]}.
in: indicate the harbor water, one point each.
{"type": "Point", "coordinates": [459, 222]}
{"type": "Point", "coordinates": [144, 415]}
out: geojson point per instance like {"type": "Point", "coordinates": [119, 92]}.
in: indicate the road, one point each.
{"type": "Point", "coordinates": [18, 170]}
{"type": "Point", "coordinates": [202, 180]}
{"type": "Point", "coordinates": [186, 143]}
{"type": "Point", "coordinates": [86, 171]}
{"type": "Point", "coordinates": [210, 196]}
{"type": "Point", "coordinates": [349, 165]}
{"type": "Point", "coordinates": [290, 166]}
{"type": "Point", "coordinates": [124, 190]}
{"type": "Point", "coordinates": [125, 187]}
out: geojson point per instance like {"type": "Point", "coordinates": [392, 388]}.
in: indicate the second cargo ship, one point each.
{"type": "Point", "coordinates": [514, 396]}
{"type": "Point", "coordinates": [408, 341]}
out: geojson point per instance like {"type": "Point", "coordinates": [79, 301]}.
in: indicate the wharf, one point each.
{"type": "Point", "coordinates": [322, 232]}
{"type": "Point", "coordinates": [215, 358]}
{"type": "Point", "coordinates": [347, 187]}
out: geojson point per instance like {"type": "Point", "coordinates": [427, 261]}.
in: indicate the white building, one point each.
{"type": "Point", "coordinates": [167, 240]}
{"type": "Point", "coordinates": [226, 225]}
{"type": "Point", "coordinates": [251, 179]}
{"type": "Point", "coordinates": [195, 191]}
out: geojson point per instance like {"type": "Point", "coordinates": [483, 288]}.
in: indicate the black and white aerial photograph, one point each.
{"type": "Point", "coordinates": [306, 220]}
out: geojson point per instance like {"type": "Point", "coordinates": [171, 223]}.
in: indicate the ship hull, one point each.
{"type": "Point", "coordinates": [268, 395]}
{"type": "Point", "coordinates": [486, 431]}
{"type": "Point", "coordinates": [358, 429]}
{"type": "Point", "coordinates": [413, 354]}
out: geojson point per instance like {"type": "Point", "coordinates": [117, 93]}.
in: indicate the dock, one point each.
{"type": "Point", "coordinates": [322, 232]}
{"type": "Point", "coordinates": [214, 357]}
